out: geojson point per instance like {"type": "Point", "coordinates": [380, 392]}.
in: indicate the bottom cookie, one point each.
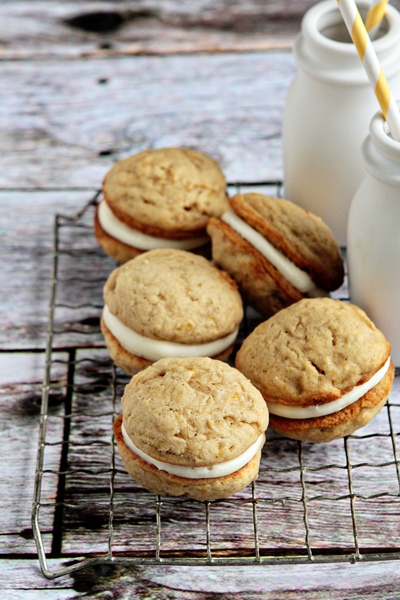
{"type": "Point", "coordinates": [327, 434]}
{"type": "Point", "coordinates": [160, 482]}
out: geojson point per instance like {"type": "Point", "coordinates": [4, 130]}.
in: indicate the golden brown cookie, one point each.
{"type": "Point", "coordinates": [323, 368]}
{"type": "Point", "coordinates": [169, 303]}
{"type": "Point", "coordinates": [192, 426]}
{"type": "Point", "coordinates": [277, 252]}
{"type": "Point", "coordinates": [159, 199]}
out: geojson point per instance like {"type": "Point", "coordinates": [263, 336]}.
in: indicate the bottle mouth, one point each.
{"type": "Point", "coordinates": [380, 133]}
{"type": "Point", "coordinates": [331, 25]}
{"type": "Point", "coordinates": [321, 52]}
{"type": "Point", "coordinates": [323, 26]}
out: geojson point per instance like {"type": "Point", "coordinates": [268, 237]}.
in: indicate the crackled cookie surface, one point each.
{"type": "Point", "coordinates": [322, 366]}
{"type": "Point", "coordinates": [174, 295]}
{"type": "Point", "coordinates": [194, 411]}
{"type": "Point", "coordinates": [192, 426]}
{"type": "Point", "coordinates": [317, 348]}
{"type": "Point", "coordinates": [170, 189]}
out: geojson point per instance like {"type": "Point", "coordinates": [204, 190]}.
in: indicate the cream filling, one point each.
{"type": "Point", "coordinates": [219, 470]}
{"type": "Point", "coordinates": [308, 412]}
{"type": "Point", "coordinates": [155, 349]}
{"type": "Point", "coordinates": [122, 232]}
{"type": "Point", "coordinates": [298, 278]}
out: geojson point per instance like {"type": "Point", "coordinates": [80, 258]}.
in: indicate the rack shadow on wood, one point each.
{"type": "Point", "coordinates": [311, 503]}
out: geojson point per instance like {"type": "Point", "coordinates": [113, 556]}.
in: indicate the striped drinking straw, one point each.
{"type": "Point", "coordinates": [375, 14]}
{"type": "Point", "coordinates": [369, 59]}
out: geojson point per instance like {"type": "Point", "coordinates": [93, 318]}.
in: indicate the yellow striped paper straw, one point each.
{"type": "Point", "coordinates": [369, 59]}
{"type": "Point", "coordinates": [375, 14]}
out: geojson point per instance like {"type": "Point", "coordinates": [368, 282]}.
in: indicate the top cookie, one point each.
{"type": "Point", "coordinates": [312, 352]}
{"type": "Point", "coordinates": [193, 411]}
{"type": "Point", "coordinates": [174, 295]}
{"type": "Point", "coordinates": [299, 234]}
{"type": "Point", "coordinates": [168, 189]}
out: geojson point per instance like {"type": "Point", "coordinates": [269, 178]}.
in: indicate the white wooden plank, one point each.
{"type": "Point", "coordinates": [60, 127]}
{"type": "Point", "coordinates": [26, 258]}
{"type": "Point", "coordinates": [39, 29]}
{"type": "Point", "coordinates": [73, 29]}
{"type": "Point", "coordinates": [20, 579]}
{"type": "Point", "coordinates": [19, 429]}
{"type": "Point", "coordinates": [79, 29]}
{"type": "Point", "coordinates": [286, 581]}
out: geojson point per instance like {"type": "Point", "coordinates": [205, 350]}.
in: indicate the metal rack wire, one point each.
{"type": "Point", "coordinates": [311, 503]}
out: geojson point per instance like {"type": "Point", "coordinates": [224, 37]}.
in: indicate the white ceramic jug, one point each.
{"type": "Point", "coordinates": [328, 110]}
{"type": "Point", "coordinates": [373, 238]}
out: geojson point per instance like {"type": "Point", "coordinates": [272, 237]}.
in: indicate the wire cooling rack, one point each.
{"type": "Point", "coordinates": [311, 502]}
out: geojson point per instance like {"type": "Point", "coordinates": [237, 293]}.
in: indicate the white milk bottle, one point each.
{"type": "Point", "coordinates": [328, 110]}
{"type": "Point", "coordinates": [373, 237]}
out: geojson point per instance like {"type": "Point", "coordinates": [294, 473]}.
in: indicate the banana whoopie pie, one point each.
{"type": "Point", "coordinates": [168, 303]}
{"type": "Point", "coordinates": [322, 366]}
{"type": "Point", "coordinates": [193, 427]}
{"type": "Point", "coordinates": [277, 252]}
{"type": "Point", "coordinates": [159, 198]}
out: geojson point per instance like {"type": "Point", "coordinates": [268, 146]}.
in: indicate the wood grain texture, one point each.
{"type": "Point", "coordinates": [279, 491]}
{"type": "Point", "coordinates": [25, 266]}
{"type": "Point", "coordinates": [42, 29]}
{"type": "Point", "coordinates": [282, 491]}
{"type": "Point", "coordinates": [95, 29]}
{"type": "Point", "coordinates": [20, 580]}
{"type": "Point", "coordinates": [20, 398]}
{"type": "Point", "coordinates": [62, 128]}
{"type": "Point", "coordinates": [76, 101]}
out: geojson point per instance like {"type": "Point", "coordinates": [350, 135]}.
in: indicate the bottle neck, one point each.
{"type": "Point", "coordinates": [325, 51]}
{"type": "Point", "coordinates": [381, 153]}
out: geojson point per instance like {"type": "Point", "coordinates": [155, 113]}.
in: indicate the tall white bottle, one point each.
{"type": "Point", "coordinates": [328, 110]}
{"type": "Point", "coordinates": [373, 238]}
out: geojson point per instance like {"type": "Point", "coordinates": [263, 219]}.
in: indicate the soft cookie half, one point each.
{"type": "Point", "coordinates": [322, 366]}
{"type": "Point", "coordinates": [169, 303]}
{"type": "Point", "coordinates": [160, 198]}
{"type": "Point", "coordinates": [193, 427]}
{"type": "Point", "coordinates": [277, 252]}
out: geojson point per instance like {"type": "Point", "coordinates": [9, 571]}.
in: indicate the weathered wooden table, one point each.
{"type": "Point", "coordinates": [83, 85]}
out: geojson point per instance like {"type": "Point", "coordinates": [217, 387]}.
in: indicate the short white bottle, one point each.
{"type": "Point", "coordinates": [328, 110]}
{"type": "Point", "coordinates": [373, 237]}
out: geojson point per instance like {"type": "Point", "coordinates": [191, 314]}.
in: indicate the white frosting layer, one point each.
{"type": "Point", "coordinates": [298, 278]}
{"type": "Point", "coordinates": [122, 232]}
{"type": "Point", "coordinates": [155, 349]}
{"type": "Point", "coordinates": [218, 470]}
{"type": "Point", "coordinates": [308, 412]}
